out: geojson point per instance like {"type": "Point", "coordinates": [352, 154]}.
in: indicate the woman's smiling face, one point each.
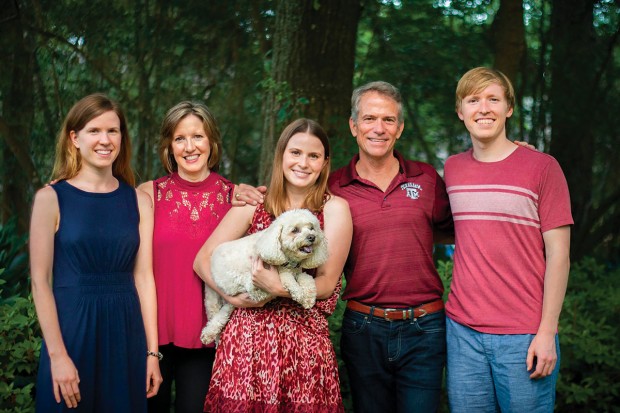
{"type": "Point", "coordinates": [303, 160]}
{"type": "Point", "coordinates": [190, 148]}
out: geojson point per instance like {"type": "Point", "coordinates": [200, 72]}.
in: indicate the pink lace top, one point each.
{"type": "Point", "coordinates": [186, 213]}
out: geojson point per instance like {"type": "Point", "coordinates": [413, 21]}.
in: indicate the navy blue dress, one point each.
{"type": "Point", "coordinates": [98, 308]}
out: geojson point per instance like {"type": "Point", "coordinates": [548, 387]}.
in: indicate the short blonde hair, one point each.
{"type": "Point", "coordinates": [480, 78]}
{"type": "Point", "coordinates": [68, 161]}
{"type": "Point", "coordinates": [172, 119]}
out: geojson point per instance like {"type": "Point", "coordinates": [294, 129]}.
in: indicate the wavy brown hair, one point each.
{"type": "Point", "coordinates": [276, 201]}
{"type": "Point", "coordinates": [68, 160]}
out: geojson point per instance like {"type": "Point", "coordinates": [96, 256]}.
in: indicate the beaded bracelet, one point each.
{"type": "Point", "coordinates": [152, 353]}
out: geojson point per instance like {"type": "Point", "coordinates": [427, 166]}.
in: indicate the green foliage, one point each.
{"type": "Point", "coordinates": [590, 340]}
{"type": "Point", "coordinates": [13, 260]}
{"type": "Point", "coordinates": [20, 342]}
{"type": "Point", "coordinates": [444, 268]}
{"type": "Point", "coordinates": [20, 345]}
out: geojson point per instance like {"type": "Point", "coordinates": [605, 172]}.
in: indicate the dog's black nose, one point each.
{"type": "Point", "coordinates": [311, 238]}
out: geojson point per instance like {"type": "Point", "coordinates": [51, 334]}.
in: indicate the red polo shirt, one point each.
{"type": "Point", "coordinates": [391, 259]}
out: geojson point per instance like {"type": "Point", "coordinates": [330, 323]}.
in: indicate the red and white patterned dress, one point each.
{"type": "Point", "coordinates": [277, 358]}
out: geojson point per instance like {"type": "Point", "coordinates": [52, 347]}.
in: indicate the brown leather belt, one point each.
{"type": "Point", "coordinates": [392, 314]}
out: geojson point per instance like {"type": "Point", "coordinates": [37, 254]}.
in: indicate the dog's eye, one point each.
{"type": "Point", "coordinates": [295, 230]}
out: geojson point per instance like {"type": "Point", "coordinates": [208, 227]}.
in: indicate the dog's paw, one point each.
{"type": "Point", "coordinates": [207, 335]}
{"type": "Point", "coordinates": [308, 304]}
{"type": "Point", "coordinates": [307, 301]}
{"type": "Point", "coordinates": [306, 294]}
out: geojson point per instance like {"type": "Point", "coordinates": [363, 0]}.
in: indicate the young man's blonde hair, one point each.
{"type": "Point", "coordinates": [478, 79]}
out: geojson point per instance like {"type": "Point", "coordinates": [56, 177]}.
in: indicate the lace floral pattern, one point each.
{"type": "Point", "coordinates": [194, 201]}
{"type": "Point", "coordinates": [186, 213]}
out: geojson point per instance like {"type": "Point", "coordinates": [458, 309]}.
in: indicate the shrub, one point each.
{"type": "Point", "coordinates": [20, 342]}
{"type": "Point", "coordinates": [589, 340]}
{"type": "Point", "coordinates": [20, 345]}
{"type": "Point", "coordinates": [14, 260]}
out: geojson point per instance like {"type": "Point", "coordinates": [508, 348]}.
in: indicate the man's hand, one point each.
{"type": "Point", "coordinates": [526, 144]}
{"type": "Point", "coordinates": [541, 356]}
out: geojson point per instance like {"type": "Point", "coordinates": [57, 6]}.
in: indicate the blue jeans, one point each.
{"type": "Point", "coordinates": [487, 373]}
{"type": "Point", "coordinates": [394, 366]}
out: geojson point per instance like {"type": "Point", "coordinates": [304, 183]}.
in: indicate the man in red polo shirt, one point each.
{"type": "Point", "coordinates": [393, 331]}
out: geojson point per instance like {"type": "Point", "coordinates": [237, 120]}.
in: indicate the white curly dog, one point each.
{"type": "Point", "coordinates": [293, 242]}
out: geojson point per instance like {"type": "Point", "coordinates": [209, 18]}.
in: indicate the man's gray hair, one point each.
{"type": "Point", "coordinates": [381, 87]}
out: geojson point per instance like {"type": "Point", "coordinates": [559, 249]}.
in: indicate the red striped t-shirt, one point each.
{"type": "Point", "coordinates": [500, 210]}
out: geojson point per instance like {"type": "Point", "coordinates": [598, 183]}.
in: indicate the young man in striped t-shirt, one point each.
{"type": "Point", "coordinates": [512, 219]}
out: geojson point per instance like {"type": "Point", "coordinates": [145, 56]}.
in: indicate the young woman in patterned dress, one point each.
{"type": "Point", "coordinates": [276, 356]}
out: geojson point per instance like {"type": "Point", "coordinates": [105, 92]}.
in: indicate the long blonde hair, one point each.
{"type": "Point", "coordinates": [276, 199]}
{"type": "Point", "coordinates": [68, 160]}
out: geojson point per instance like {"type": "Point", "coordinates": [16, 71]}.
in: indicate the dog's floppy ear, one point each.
{"type": "Point", "coordinates": [268, 245]}
{"type": "Point", "coordinates": [319, 253]}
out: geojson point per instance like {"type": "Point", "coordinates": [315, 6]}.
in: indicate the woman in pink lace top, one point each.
{"type": "Point", "coordinates": [277, 356]}
{"type": "Point", "coordinates": [188, 203]}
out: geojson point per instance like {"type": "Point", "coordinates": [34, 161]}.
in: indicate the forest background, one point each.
{"type": "Point", "coordinates": [258, 64]}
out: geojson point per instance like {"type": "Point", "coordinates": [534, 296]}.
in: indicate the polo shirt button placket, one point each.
{"type": "Point", "coordinates": [385, 203]}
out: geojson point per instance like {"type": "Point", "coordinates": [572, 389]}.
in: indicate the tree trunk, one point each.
{"type": "Point", "coordinates": [572, 138]}
{"type": "Point", "coordinates": [508, 32]}
{"type": "Point", "coordinates": [15, 122]}
{"type": "Point", "coordinates": [312, 69]}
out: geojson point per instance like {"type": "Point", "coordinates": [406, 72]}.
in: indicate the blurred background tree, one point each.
{"type": "Point", "coordinates": [258, 64]}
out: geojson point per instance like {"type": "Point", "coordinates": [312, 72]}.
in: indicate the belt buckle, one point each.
{"type": "Point", "coordinates": [386, 311]}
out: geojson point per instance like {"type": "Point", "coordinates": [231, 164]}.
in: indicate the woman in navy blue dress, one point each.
{"type": "Point", "coordinates": [92, 279]}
